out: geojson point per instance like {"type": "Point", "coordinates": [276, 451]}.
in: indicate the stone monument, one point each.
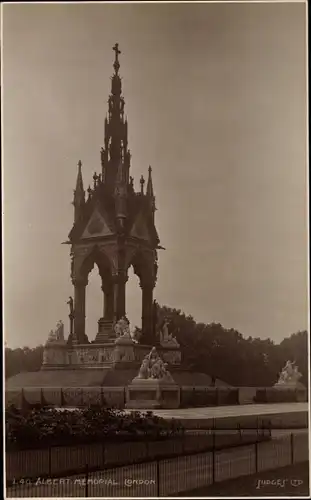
{"type": "Point", "coordinates": [113, 229]}
{"type": "Point", "coordinates": [154, 386]}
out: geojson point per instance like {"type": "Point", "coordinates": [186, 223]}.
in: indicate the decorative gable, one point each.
{"type": "Point", "coordinates": [140, 228]}
{"type": "Point", "coordinates": [97, 226]}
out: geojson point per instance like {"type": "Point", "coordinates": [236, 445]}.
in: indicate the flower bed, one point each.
{"type": "Point", "coordinates": [41, 427]}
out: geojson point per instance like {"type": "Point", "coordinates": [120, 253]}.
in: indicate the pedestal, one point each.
{"type": "Point", "coordinates": [123, 352]}
{"type": "Point", "coordinates": [55, 354]}
{"type": "Point", "coordinates": [105, 331]}
{"type": "Point", "coordinates": [151, 394]}
{"type": "Point", "coordinates": [297, 390]}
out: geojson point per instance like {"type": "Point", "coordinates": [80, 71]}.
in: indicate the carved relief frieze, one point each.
{"type": "Point", "coordinates": [106, 355]}
{"type": "Point", "coordinates": [139, 354]}
{"type": "Point", "coordinates": [54, 356]}
{"type": "Point", "coordinates": [123, 353]}
{"type": "Point", "coordinates": [87, 356]}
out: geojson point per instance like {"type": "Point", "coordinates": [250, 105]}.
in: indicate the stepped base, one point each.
{"type": "Point", "coordinates": [105, 331]}
{"type": "Point", "coordinates": [152, 394]}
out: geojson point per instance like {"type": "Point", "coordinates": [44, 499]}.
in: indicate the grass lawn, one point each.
{"type": "Point", "coordinates": [292, 480]}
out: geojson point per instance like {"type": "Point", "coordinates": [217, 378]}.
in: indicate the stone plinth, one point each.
{"type": "Point", "coordinates": [152, 393]}
{"type": "Point", "coordinates": [55, 354]}
{"type": "Point", "coordinates": [296, 388]}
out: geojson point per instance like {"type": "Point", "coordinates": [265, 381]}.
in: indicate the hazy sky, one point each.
{"type": "Point", "coordinates": [216, 103]}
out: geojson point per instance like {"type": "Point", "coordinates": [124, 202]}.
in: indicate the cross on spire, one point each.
{"type": "Point", "coordinates": [116, 64]}
{"type": "Point", "coordinates": [116, 49]}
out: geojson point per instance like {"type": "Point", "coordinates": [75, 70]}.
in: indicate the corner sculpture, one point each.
{"type": "Point", "coordinates": [122, 328]}
{"type": "Point", "coordinates": [289, 375]}
{"type": "Point", "coordinates": [57, 335]}
{"type": "Point", "coordinates": [153, 368]}
{"type": "Point", "coordinates": [154, 386]}
{"type": "Point", "coordinates": [166, 338]}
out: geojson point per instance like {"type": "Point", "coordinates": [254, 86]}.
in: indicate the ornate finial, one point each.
{"type": "Point", "coordinates": [95, 179]}
{"type": "Point", "coordinates": [116, 63]}
{"type": "Point", "coordinates": [142, 182]}
{"type": "Point", "coordinates": [150, 192]}
{"type": "Point", "coordinates": [102, 156]}
{"type": "Point", "coordinates": [78, 197]}
{"type": "Point", "coordinates": [89, 190]}
{"type": "Point", "coordinates": [131, 181]}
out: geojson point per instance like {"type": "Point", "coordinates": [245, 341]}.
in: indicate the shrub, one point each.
{"type": "Point", "coordinates": [46, 426]}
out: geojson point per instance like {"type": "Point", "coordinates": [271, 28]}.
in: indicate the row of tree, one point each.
{"type": "Point", "coordinates": [209, 348]}
{"type": "Point", "coordinates": [227, 355]}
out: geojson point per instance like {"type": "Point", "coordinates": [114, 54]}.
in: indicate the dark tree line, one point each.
{"type": "Point", "coordinates": [22, 360]}
{"type": "Point", "coordinates": [209, 348]}
{"type": "Point", "coordinates": [227, 355]}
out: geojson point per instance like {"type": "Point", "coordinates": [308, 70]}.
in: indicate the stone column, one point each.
{"type": "Point", "coordinates": [147, 314]}
{"type": "Point", "coordinates": [119, 295]}
{"type": "Point", "coordinates": [79, 310]}
{"type": "Point", "coordinates": [108, 291]}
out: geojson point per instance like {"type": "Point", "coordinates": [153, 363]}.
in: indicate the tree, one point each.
{"type": "Point", "coordinates": [22, 360]}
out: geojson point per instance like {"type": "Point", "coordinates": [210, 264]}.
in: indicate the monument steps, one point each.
{"type": "Point", "coordinates": [57, 378]}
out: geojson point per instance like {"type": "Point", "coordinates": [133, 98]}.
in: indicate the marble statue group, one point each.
{"type": "Point", "coordinates": [153, 367]}
{"type": "Point", "coordinates": [167, 338]}
{"type": "Point", "coordinates": [122, 330]}
{"type": "Point", "coordinates": [289, 374]}
{"type": "Point", "coordinates": [57, 334]}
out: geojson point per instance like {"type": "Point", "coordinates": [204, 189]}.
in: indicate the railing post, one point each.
{"type": "Point", "coordinates": [214, 452]}
{"type": "Point", "coordinates": [239, 431]}
{"type": "Point", "coordinates": [86, 481]}
{"type": "Point", "coordinates": [158, 478]}
{"type": "Point", "coordinates": [50, 461]}
{"type": "Point", "coordinates": [292, 457]}
{"type": "Point", "coordinates": [103, 454]}
{"type": "Point", "coordinates": [62, 398]}
{"type": "Point", "coordinates": [256, 457]}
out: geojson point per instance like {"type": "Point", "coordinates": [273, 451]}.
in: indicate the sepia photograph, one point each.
{"type": "Point", "coordinates": [155, 214]}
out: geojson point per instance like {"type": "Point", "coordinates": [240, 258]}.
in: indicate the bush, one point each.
{"type": "Point", "coordinates": [46, 427]}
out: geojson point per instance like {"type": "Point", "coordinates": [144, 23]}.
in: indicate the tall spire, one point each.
{"type": "Point", "coordinates": [149, 192]}
{"type": "Point", "coordinates": [115, 150]}
{"type": "Point", "coordinates": [79, 194]}
{"type": "Point", "coordinates": [149, 184]}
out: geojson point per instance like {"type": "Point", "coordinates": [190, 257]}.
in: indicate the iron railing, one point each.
{"type": "Point", "coordinates": [167, 475]}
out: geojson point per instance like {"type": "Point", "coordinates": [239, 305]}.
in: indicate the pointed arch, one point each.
{"type": "Point", "coordinates": [98, 257]}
